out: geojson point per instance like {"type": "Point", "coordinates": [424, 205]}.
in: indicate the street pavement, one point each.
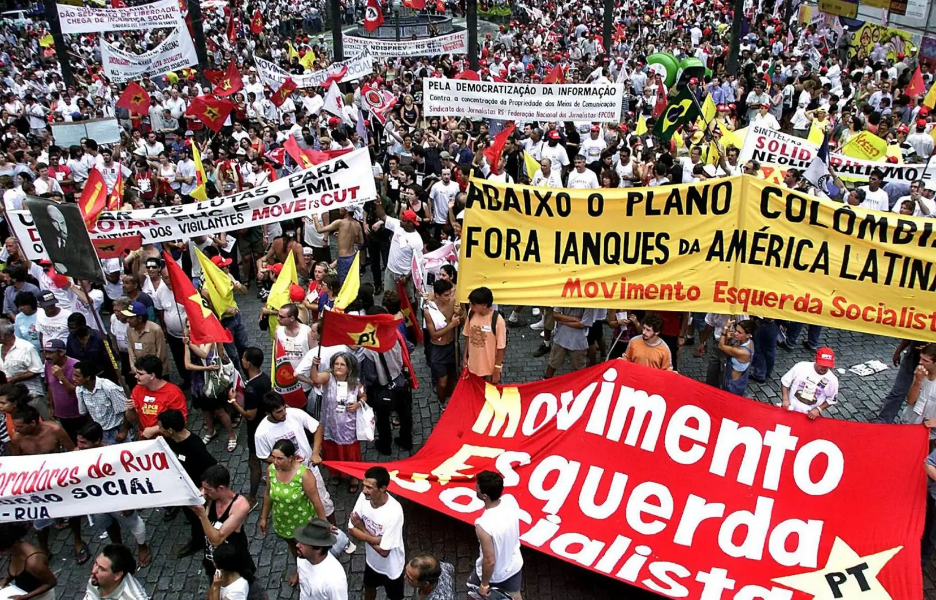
{"type": "Point", "coordinates": [545, 578]}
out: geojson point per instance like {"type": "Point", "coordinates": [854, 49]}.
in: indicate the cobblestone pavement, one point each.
{"type": "Point", "coordinates": [545, 578]}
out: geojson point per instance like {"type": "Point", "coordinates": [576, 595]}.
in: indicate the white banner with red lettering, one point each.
{"type": "Point", "coordinates": [342, 182]}
{"type": "Point", "coordinates": [175, 52]}
{"type": "Point", "coordinates": [354, 68]}
{"type": "Point", "coordinates": [87, 482]}
{"type": "Point", "coordinates": [452, 43]}
{"type": "Point", "coordinates": [85, 19]}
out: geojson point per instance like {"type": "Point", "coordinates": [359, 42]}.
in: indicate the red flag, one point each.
{"type": "Point", "coordinates": [335, 76]}
{"type": "Point", "coordinates": [415, 4]}
{"type": "Point", "coordinates": [306, 157]}
{"type": "Point", "coordinates": [117, 247]}
{"type": "Point", "coordinates": [468, 75]}
{"type": "Point", "coordinates": [93, 198]}
{"type": "Point", "coordinates": [210, 111]}
{"type": "Point", "coordinates": [203, 323]}
{"type": "Point", "coordinates": [376, 332]}
{"type": "Point", "coordinates": [214, 77]}
{"type": "Point", "coordinates": [231, 29]}
{"type": "Point", "coordinates": [135, 99]}
{"type": "Point", "coordinates": [373, 15]}
{"type": "Point", "coordinates": [115, 199]}
{"type": "Point", "coordinates": [556, 75]}
{"type": "Point", "coordinates": [118, 4]}
{"type": "Point", "coordinates": [283, 92]}
{"type": "Point", "coordinates": [440, 7]}
{"type": "Point", "coordinates": [285, 382]}
{"type": "Point", "coordinates": [256, 24]}
{"type": "Point", "coordinates": [408, 315]}
{"type": "Point", "coordinates": [231, 81]}
{"type": "Point", "coordinates": [404, 354]}
{"type": "Point", "coordinates": [493, 152]}
{"type": "Point", "coordinates": [916, 86]}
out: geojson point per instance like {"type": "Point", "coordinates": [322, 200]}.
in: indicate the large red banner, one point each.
{"type": "Point", "coordinates": [687, 491]}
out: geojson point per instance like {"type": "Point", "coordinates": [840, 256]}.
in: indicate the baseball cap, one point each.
{"type": "Point", "coordinates": [825, 357]}
{"type": "Point", "coordinates": [296, 293]}
{"type": "Point", "coordinates": [554, 135]}
{"type": "Point", "coordinates": [596, 127]}
{"type": "Point", "coordinates": [53, 345]}
{"type": "Point", "coordinates": [409, 215]}
{"type": "Point", "coordinates": [46, 298]}
{"type": "Point", "coordinates": [277, 268]}
{"type": "Point", "coordinates": [445, 156]}
{"type": "Point", "coordinates": [221, 261]}
{"type": "Point", "coordinates": [306, 251]}
{"type": "Point", "coordinates": [136, 309]}
{"type": "Point", "coordinates": [930, 184]}
{"type": "Point", "coordinates": [153, 262]}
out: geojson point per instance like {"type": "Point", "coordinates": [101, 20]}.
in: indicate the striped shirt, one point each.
{"type": "Point", "coordinates": [106, 403]}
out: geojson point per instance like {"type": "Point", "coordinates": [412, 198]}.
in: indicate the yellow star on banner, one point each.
{"type": "Point", "coordinates": [211, 113]}
{"type": "Point", "coordinates": [226, 84]}
{"type": "Point", "coordinates": [367, 337]}
{"type": "Point", "coordinates": [846, 575]}
{"type": "Point", "coordinates": [199, 300]}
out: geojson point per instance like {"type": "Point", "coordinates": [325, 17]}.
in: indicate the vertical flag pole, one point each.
{"type": "Point", "coordinates": [321, 334]}
{"type": "Point", "coordinates": [107, 345]}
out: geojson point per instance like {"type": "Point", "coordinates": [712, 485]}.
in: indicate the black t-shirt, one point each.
{"type": "Point", "coordinates": [193, 455]}
{"type": "Point", "coordinates": [253, 392]}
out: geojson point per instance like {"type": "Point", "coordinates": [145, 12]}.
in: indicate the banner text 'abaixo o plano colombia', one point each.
{"type": "Point", "coordinates": [665, 483]}
{"type": "Point", "coordinates": [732, 245]}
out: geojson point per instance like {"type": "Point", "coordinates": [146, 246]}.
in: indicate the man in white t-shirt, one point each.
{"type": "Point", "coordinates": [321, 576]}
{"type": "Point", "coordinates": [283, 422]}
{"type": "Point", "coordinates": [555, 152]}
{"type": "Point", "coordinates": [377, 521]}
{"type": "Point", "coordinates": [441, 193]}
{"type": "Point", "coordinates": [500, 564]}
{"type": "Point", "coordinates": [811, 387]}
{"type": "Point", "coordinates": [581, 177]}
{"type": "Point", "coordinates": [405, 244]}
{"type": "Point", "coordinates": [593, 145]}
{"type": "Point", "coordinates": [875, 196]}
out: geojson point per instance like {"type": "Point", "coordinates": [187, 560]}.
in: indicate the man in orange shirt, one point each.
{"type": "Point", "coordinates": [649, 349]}
{"type": "Point", "coordinates": [487, 336]}
{"type": "Point", "coordinates": [152, 396]}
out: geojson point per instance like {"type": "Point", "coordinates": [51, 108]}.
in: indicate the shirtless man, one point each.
{"type": "Point", "coordinates": [443, 318]}
{"type": "Point", "coordinates": [34, 436]}
{"type": "Point", "coordinates": [350, 238]}
{"type": "Point", "coordinates": [279, 252]}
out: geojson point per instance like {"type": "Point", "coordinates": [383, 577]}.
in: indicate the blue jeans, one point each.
{"type": "Point", "coordinates": [110, 435]}
{"type": "Point", "coordinates": [812, 337]}
{"type": "Point", "coordinates": [344, 266]}
{"type": "Point", "coordinates": [765, 348]}
{"type": "Point", "coordinates": [895, 398]}
{"type": "Point", "coordinates": [236, 326]}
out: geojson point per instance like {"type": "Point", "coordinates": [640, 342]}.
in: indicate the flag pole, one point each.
{"type": "Point", "coordinates": [321, 334]}
{"type": "Point", "coordinates": [97, 319]}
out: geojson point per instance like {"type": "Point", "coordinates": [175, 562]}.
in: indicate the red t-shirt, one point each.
{"type": "Point", "coordinates": [150, 403]}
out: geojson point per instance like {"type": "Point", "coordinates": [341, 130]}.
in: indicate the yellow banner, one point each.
{"type": "Point", "coordinates": [733, 245]}
{"type": "Point", "coordinates": [866, 146]}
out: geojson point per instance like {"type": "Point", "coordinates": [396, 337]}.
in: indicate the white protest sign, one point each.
{"type": "Point", "coordinates": [84, 19]}
{"type": "Point", "coordinates": [175, 52]}
{"type": "Point", "coordinates": [770, 147]}
{"type": "Point", "coordinates": [87, 482]}
{"type": "Point", "coordinates": [274, 76]}
{"type": "Point", "coordinates": [343, 182]}
{"type": "Point", "coordinates": [452, 43]}
{"type": "Point", "coordinates": [522, 102]}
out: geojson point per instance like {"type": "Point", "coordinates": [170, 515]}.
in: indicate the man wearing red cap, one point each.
{"type": "Point", "coordinates": [921, 141]}
{"type": "Point", "coordinates": [555, 152]}
{"type": "Point", "coordinates": [810, 386]}
{"type": "Point", "coordinates": [405, 245]}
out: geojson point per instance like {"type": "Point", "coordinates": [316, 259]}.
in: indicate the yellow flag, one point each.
{"type": "Point", "coordinates": [713, 154]}
{"type": "Point", "coordinates": [217, 284]}
{"type": "Point", "coordinates": [351, 285]}
{"type": "Point", "coordinates": [816, 133]}
{"type": "Point", "coordinates": [641, 125]}
{"type": "Point", "coordinates": [930, 99]}
{"type": "Point", "coordinates": [199, 192]}
{"type": "Point", "coordinates": [308, 60]}
{"type": "Point", "coordinates": [709, 110]}
{"type": "Point", "coordinates": [865, 146]}
{"type": "Point", "coordinates": [733, 138]}
{"type": "Point", "coordinates": [532, 165]}
{"type": "Point", "coordinates": [46, 41]}
{"type": "Point", "coordinates": [279, 293]}
{"type": "Point", "coordinates": [893, 151]}
{"type": "Point", "coordinates": [291, 52]}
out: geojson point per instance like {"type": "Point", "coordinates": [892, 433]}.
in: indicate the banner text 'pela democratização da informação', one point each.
{"type": "Point", "coordinates": [733, 245]}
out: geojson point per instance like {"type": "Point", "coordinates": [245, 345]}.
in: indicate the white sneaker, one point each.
{"type": "Point", "coordinates": [350, 548]}
{"type": "Point", "coordinates": [513, 318]}
{"type": "Point", "coordinates": [539, 325]}
{"type": "Point", "coordinates": [536, 312]}
{"type": "Point", "coordinates": [543, 334]}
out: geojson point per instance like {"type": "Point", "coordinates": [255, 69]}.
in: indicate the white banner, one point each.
{"type": "Point", "coordinates": [343, 182]}
{"type": "Point", "coordinates": [769, 147]}
{"type": "Point", "coordinates": [84, 19]}
{"type": "Point", "coordinates": [272, 75]}
{"type": "Point", "coordinates": [87, 482]}
{"type": "Point", "coordinates": [175, 52]}
{"type": "Point", "coordinates": [452, 43]}
{"type": "Point", "coordinates": [522, 102]}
